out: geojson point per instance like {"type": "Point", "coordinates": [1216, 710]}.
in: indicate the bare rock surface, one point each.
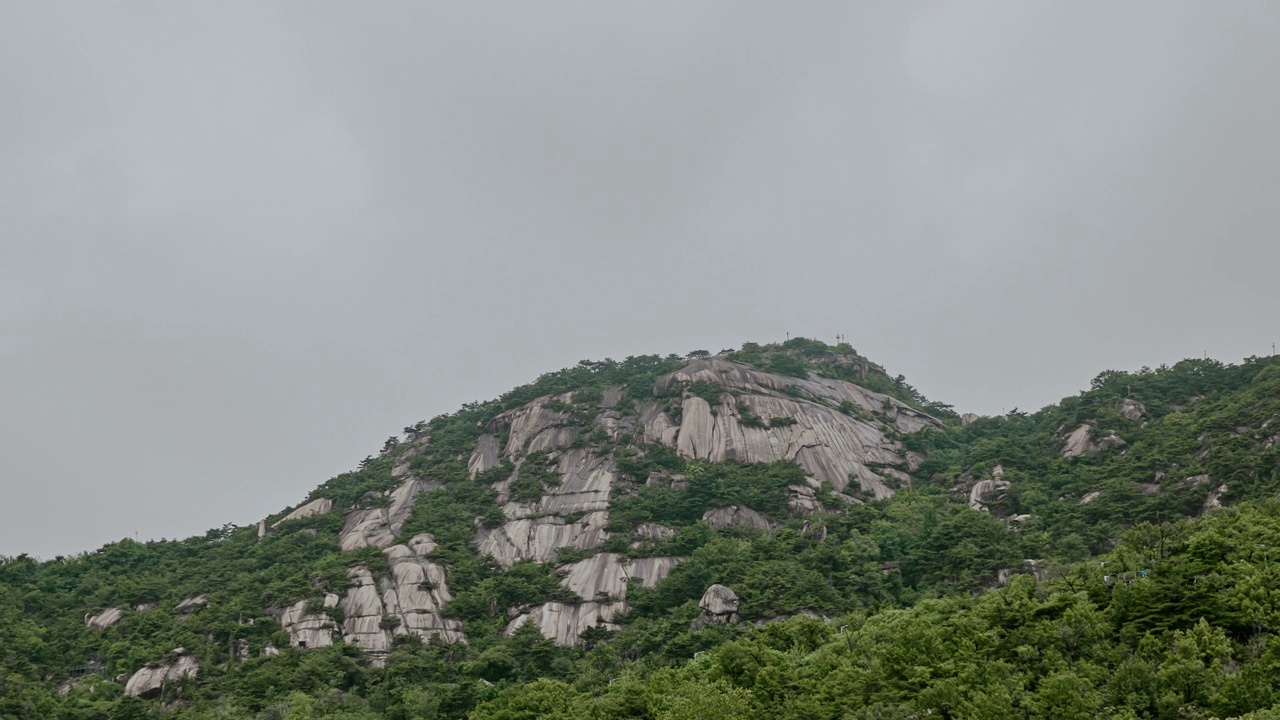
{"type": "Point", "coordinates": [830, 445]}
{"type": "Point", "coordinates": [485, 455]}
{"type": "Point", "coordinates": [719, 606]}
{"type": "Point", "coordinates": [1131, 409]}
{"type": "Point", "coordinates": [1090, 497]}
{"type": "Point", "coordinates": [1079, 442]}
{"type": "Point", "coordinates": [148, 681]}
{"type": "Point", "coordinates": [988, 491]}
{"type": "Point", "coordinates": [601, 581]}
{"type": "Point", "coordinates": [306, 630]}
{"type": "Point", "coordinates": [537, 426]}
{"type": "Point", "coordinates": [969, 419]}
{"type": "Point", "coordinates": [191, 604]}
{"type": "Point", "coordinates": [378, 526]}
{"type": "Point", "coordinates": [319, 506]}
{"type": "Point", "coordinates": [104, 619]}
{"type": "Point", "coordinates": [564, 623]}
{"type": "Point", "coordinates": [539, 538]}
{"type": "Point", "coordinates": [736, 515]}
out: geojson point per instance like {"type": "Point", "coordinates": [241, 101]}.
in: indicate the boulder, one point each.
{"type": "Point", "coordinates": [1090, 497]}
{"type": "Point", "coordinates": [1131, 409]}
{"type": "Point", "coordinates": [969, 419]}
{"type": "Point", "coordinates": [1079, 442]}
{"type": "Point", "coordinates": [719, 606]}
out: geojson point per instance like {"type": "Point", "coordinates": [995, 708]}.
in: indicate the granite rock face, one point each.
{"type": "Point", "coordinates": [378, 526]}
{"type": "Point", "coordinates": [988, 491]}
{"type": "Point", "coordinates": [802, 423]}
{"type": "Point", "coordinates": [104, 619]}
{"type": "Point", "coordinates": [734, 516]}
{"type": "Point", "coordinates": [1079, 442]}
{"type": "Point", "coordinates": [601, 581]}
{"type": "Point", "coordinates": [409, 602]}
{"type": "Point", "coordinates": [306, 629]}
{"type": "Point", "coordinates": [319, 506]}
{"type": "Point", "coordinates": [149, 681]}
{"type": "Point", "coordinates": [485, 456]}
{"type": "Point", "coordinates": [536, 530]}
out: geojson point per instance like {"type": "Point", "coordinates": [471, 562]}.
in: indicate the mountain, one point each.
{"type": "Point", "coordinates": [777, 531]}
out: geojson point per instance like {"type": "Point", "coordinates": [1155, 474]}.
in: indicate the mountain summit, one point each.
{"type": "Point", "coordinates": [621, 517]}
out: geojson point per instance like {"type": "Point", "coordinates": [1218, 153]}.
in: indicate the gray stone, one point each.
{"type": "Point", "coordinates": [149, 681]}
{"type": "Point", "coordinates": [969, 419]}
{"type": "Point", "coordinates": [319, 506]}
{"type": "Point", "coordinates": [1131, 409]}
{"type": "Point", "coordinates": [538, 538]}
{"type": "Point", "coordinates": [104, 619]}
{"type": "Point", "coordinates": [378, 526]}
{"type": "Point", "coordinates": [734, 516]}
{"type": "Point", "coordinates": [1090, 497]}
{"type": "Point", "coordinates": [719, 606]}
{"type": "Point", "coordinates": [1079, 442]}
{"type": "Point", "coordinates": [485, 455]}
{"type": "Point", "coordinates": [191, 604]}
{"type": "Point", "coordinates": [307, 630]}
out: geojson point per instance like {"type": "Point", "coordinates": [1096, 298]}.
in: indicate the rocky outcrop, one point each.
{"type": "Point", "coordinates": [969, 419]}
{"type": "Point", "coordinates": [601, 581]}
{"type": "Point", "coordinates": [736, 516]}
{"type": "Point", "coordinates": [104, 619]}
{"type": "Point", "coordinates": [537, 426]}
{"type": "Point", "coordinates": [989, 491]}
{"type": "Point", "coordinates": [319, 506]}
{"type": "Point", "coordinates": [1079, 442]}
{"type": "Point", "coordinates": [485, 456]}
{"type": "Point", "coordinates": [1214, 499]}
{"type": "Point", "coordinates": [1131, 409]}
{"type": "Point", "coordinates": [538, 538]}
{"type": "Point", "coordinates": [378, 526]}
{"type": "Point", "coordinates": [654, 531]}
{"type": "Point", "coordinates": [306, 629]}
{"type": "Point", "coordinates": [149, 681]}
{"type": "Point", "coordinates": [830, 445]}
{"type": "Point", "coordinates": [191, 604]}
{"type": "Point", "coordinates": [564, 623]}
{"type": "Point", "coordinates": [409, 602]}
{"type": "Point", "coordinates": [1090, 497]}
{"type": "Point", "coordinates": [719, 606]}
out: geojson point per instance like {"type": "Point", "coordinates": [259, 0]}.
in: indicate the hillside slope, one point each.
{"type": "Point", "coordinates": [619, 517]}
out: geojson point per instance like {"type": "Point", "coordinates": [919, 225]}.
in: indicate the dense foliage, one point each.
{"type": "Point", "coordinates": [1092, 586]}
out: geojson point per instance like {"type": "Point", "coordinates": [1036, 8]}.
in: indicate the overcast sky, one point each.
{"type": "Point", "coordinates": [241, 243]}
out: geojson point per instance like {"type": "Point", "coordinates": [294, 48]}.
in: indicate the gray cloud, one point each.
{"type": "Point", "coordinates": [244, 242]}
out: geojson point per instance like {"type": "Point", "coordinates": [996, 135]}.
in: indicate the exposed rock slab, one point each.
{"type": "Point", "coordinates": [539, 538]}
{"type": "Point", "coordinates": [830, 445]}
{"type": "Point", "coordinates": [736, 516]}
{"type": "Point", "coordinates": [306, 630]}
{"type": "Point", "coordinates": [191, 604]}
{"type": "Point", "coordinates": [564, 623]}
{"type": "Point", "coordinates": [485, 456]}
{"type": "Point", "coordinates": [103, 619]}
{"type": "Point", "coordinates": [149, 681]}
{"type": "Point", "coordinates": [602, 580]}
{"type": "Point", "coordinates": [537, 426]}
{"type": "Point", "coordinates": [1079, 442]}
{"type": "Point", "coordinates": [319, 506]}
{"type": "Point", "coordinates": [378, 526]}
